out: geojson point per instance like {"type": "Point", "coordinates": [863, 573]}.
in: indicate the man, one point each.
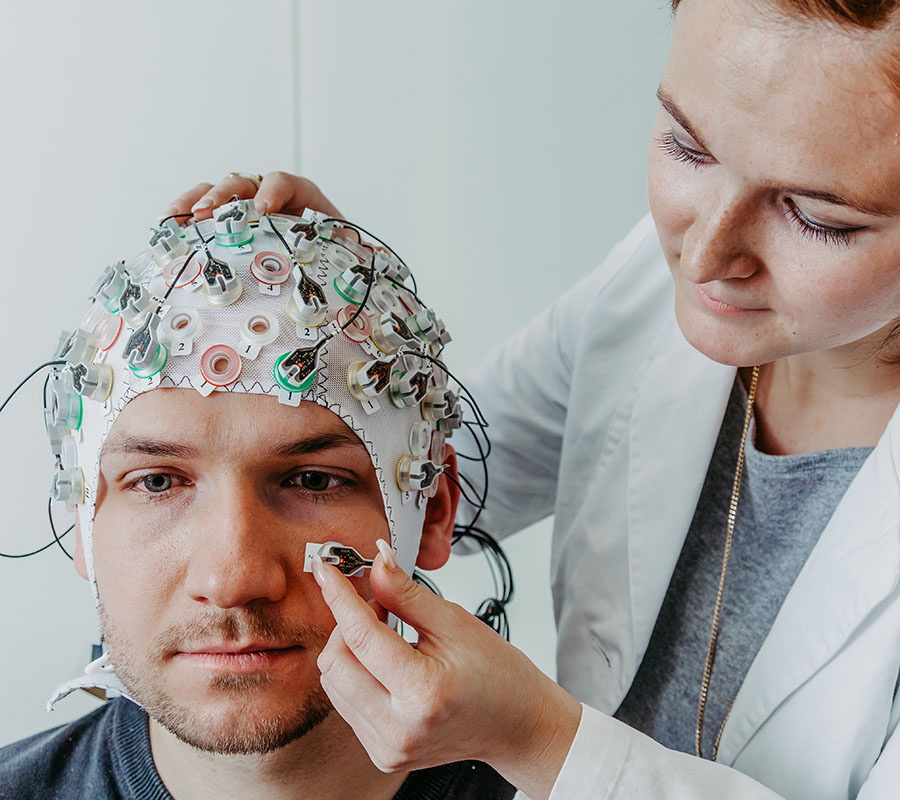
{"type": "Point", "coordinates": [215, 435]}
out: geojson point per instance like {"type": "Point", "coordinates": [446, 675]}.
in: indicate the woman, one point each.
{"type": "Point", "coordinates": [727, 541]}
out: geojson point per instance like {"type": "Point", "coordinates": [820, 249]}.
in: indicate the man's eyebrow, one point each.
{"type": "Point", "coordinates": [174, 449]}
{"type": "Point", "coordinates": [148, 447]}
{"type": "Point", "coordinates": [833, 198]}
{"type": "Point", "coordinates": [316, 444]}
{"type": "Point", "coordinates": [669, 105]}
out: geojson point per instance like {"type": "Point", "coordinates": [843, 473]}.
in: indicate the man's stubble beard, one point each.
{"type": "Point", "coordinates": [247, 730]}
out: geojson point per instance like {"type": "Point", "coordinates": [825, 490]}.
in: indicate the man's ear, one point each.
{"type": "Point", "coordinates": [78, 558]}
{"type": "Point", "coordinates": [440, 514]}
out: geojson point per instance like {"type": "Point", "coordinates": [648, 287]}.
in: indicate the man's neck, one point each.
{"type": "Point", "coordinates": [327, 763]}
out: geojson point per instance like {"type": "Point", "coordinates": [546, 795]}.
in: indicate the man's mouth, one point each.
{"type": "Point", "coordinates": [239, 658]}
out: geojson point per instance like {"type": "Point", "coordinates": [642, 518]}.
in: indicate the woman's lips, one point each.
{"type": "Point", "coordinates": [720, 307]}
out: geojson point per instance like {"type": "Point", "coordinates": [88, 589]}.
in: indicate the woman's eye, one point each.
{"type": "Point", "coordinates": [816, 230]}
{"type": "Point", "coordinates": [680, 152]}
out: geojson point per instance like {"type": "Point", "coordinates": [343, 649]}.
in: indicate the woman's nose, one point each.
{"type": "Point", "coordinates": [719, 244]}
{"type": "Point", "coordinates": [236, 553]}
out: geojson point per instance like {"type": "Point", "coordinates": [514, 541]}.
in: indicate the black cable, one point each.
{"type": "Point", "coordinates": [172, 216]}
{"type": "Point", "coordinates": [480, 416]}
{"type": "Point", "coordinates": [53, 529]}
{"type": "Point", "coordinates": [462, 491]}
{"type": "Point", "coordinates": [425, 581]}
{"type": "Point", "coordinates": [361, 243]}
{"type": "Point", "coordinates": [287, 247]}
{"type": "Point", "coordinates": [35, 371]}
{"type": "Point", "coordinates": [188, 261]}
{"type": "Point", "coordinates": [365, 299]}
{"type": "Point", "coordinates": [492, 611]}
{"type": "Point", "coordinates": [41, 549]}
{"type": "Point", "coordinates": [380, 241]}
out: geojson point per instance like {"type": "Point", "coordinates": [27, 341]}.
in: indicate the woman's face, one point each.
{"type": "Point", "coordinates": [775, 185]}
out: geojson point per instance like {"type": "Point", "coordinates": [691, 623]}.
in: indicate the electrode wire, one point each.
{"type": "Point", "coordinates": [35, 371]}
{"type": "Point", "coordinates": [359, 228]}
{"type": "Point", "coordinates": [53, 529]}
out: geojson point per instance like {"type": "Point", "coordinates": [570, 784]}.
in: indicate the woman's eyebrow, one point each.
{"type": "Point", "coordinates": [873, 209]}
{"type": "Point", "coordinates": [669, 105]}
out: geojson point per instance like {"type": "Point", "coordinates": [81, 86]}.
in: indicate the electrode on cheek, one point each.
{"type": "Point", "coordinates": [347, 559]}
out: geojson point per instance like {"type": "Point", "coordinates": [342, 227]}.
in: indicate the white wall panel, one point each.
{"type": "Point", "coordinates": [501, 146]}
{"type": "Point", "coordinates": [109, 110]}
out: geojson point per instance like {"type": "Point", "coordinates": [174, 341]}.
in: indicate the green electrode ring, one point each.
{"type": "Point", "coordinates": [345, 294]}
{"type": "Point", "coordinates": [234, 239]}
{"type": "Point", "coordinates": [155, 366]}
{"type": "Point", "coordinates": [288, 385]}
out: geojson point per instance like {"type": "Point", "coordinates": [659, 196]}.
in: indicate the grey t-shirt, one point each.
{"type": "Point", "coordinates": [785, 503]}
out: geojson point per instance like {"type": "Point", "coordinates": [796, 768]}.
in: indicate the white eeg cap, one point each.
{"type": "Point", "coordinates": [297, 308]}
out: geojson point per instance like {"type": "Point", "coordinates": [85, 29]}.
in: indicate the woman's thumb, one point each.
{"type": "Point", "coordinates": [397, 592]}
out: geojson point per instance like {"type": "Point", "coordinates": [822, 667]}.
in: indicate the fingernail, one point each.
{"type": "Point", "coordinates": [318, 569]}
{"type": "Point", "coordinates": [387, 555]}
{"type": "Point", "coordinates": [205, 202]}
{"type": "Point", "coordinates": [262, 207]}
{"type": "Point", "coordinates": [167, 213]}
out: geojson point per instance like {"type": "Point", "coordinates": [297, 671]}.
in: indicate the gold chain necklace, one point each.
{"type": "Point", "coordinates": [729, 535]}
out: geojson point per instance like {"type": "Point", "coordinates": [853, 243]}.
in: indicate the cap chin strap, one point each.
{"type": "Point", "coordinates": [99, 674]}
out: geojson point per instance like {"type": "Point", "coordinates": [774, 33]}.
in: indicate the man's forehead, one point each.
{"type": "Point", "coordinates": [181, 423]}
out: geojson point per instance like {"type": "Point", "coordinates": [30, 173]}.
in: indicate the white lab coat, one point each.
{"type": "Point", "coordinates": [602, 414]}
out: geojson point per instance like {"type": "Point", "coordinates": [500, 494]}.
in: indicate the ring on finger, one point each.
{"type": "Point", "coordinates": [254, 178]}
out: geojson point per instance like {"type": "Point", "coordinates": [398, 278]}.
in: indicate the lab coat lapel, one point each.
{"type": "Point", "coordinates": [853, 566]}
{"type": "Point", "coordinates": [677, 415]}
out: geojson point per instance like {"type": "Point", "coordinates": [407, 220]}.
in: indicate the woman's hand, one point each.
{"type": "Point", "coordinates": [462, 693]}
{"type": "Point", "coordinates": [279, 192]}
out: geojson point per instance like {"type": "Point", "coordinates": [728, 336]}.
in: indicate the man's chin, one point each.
{"type": "Point", "coordinates": [239, 727]}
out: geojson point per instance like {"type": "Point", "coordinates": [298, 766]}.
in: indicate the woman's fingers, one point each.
{"type": "Point", "coordinates": [337, 663]}
{"type": "Point", "coordinates": [291, 194]}
{"type": "Point", "coordinates": [221, 193]}
{"type": "Point", "coordinates": [279, 192]}
{"type": "Point", "coordinates": [380, 651]}
{"type": "Point", "coordinates": [182, 204]}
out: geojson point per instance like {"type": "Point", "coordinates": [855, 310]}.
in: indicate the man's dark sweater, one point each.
{"type": "Point", "coordinates": [105, 755]}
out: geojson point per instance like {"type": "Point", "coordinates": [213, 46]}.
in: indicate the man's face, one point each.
{"type": "Point", "coordinates": [204, 509]}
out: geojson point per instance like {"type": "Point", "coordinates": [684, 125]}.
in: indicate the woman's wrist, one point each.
{"type": "Point", "coordinates": [535, 747]}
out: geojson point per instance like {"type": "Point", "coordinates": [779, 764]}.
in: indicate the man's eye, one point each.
{"type": "Point", "coordinates": [314, 481]}
{"type": "Point", "coordinates": [156, 483]}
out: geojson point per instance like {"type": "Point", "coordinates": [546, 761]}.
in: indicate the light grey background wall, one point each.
{"type": "Point", "coordinates": [500, 146]}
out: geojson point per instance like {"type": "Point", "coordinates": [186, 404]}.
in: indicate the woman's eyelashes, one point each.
{"type": "Point", "coordinates": [816, 230]}
{"type": "Point", "coordinates": [673, 148]}
{"type": "Point", "coordinates": [806, 226]}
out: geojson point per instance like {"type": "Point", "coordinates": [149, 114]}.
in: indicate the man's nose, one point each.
{"type": "Point", "coordinates": [236, 555]}
{"type": "Point", "coordinates": [719, 245]}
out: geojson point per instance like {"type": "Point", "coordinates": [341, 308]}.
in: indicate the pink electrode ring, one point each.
{"type": "Point", "coordinates": [270, 268]}
{"type": "Point", "coordinates": [360, 330]}
{"type": "Point", "coordinates": [107, 331]}
{"type": "Point", "coordinates": [220, 365]}
{"type": "Point", "coordinates": [171, 270]}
